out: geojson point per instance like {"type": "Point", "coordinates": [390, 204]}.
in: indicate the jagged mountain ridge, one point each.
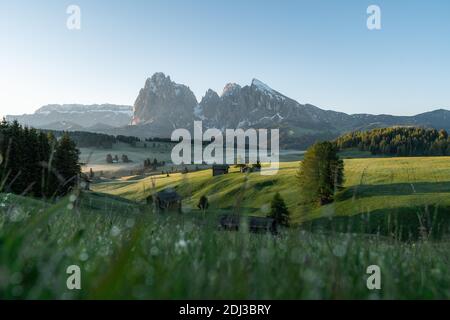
{"type": "Point", "coordinates": [163, 105]}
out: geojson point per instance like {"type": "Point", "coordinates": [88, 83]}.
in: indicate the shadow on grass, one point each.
{"type": "Point", "coordinates": [396, 189]}
{"type": "Point", "coordinates": [405, 223]}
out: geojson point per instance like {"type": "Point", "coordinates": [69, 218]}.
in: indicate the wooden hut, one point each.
{"type": "Point", "coordinates": [232, 222]}
{"type": "Point", "coordinates": [220, 169]}
{"type": "Point", "coordinates": [262, 225]}
{"type": "Point", "coordinates": [229, 222]}
{"type": "Point", "coordinates": [166, 200]}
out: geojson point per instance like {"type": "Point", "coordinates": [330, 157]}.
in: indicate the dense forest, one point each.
{"type": "Point", "coordinates": [398, 141]}
{"type": "Point", "coordinates": [36, 163]}
{"type": "Point", "coordinates": [156, 139]}
{"type": "Point", "coordinates": [128, 139]}
{"type": "Point", "coordinates": [85, 139]}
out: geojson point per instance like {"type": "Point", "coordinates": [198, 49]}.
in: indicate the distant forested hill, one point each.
{"type": "Point", "coordinates": [398, 141]}
{"type": "Point", "coordinates": [85, 139]}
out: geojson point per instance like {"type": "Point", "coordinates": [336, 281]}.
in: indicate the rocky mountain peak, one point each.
{"type": "Point", "coordinates": [210, 94]}
{"type": "Point", "coordinates": [258, 84]}
{"type": "Point", "coordinates": [210, 97]}
{"type": "Point", "coordinates": [262, 87]}
{"type": "Point", "coordinates": [160, 82]}
{"type": "Point", "coordinates": [230, 89]}
{"type": "Point", "coordinates": [165, 103]}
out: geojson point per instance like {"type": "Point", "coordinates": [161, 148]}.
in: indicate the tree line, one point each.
{"type": "Point", "coordinates": [128, 140]}
{"type": "Point", "coordinates": [36, 163]}
{"type": "Point", "coordinates": [85, 139]}
{"type": "Point", "coordinates": [149, 164]}
{"type": "Point", "coordinates": [110, 159]}
{"type": "Point", "coordinates": [398, 141]}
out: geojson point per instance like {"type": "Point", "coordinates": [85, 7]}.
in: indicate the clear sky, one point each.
{"type": "Point", "coordinates": [317, 51]}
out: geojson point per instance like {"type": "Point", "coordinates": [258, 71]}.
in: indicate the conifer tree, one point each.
{"type": "Point", "coordinates": [66, 164]}
{"type": "Point", "coordinates": [203, 203]}
{"type": "Point", "coordinates": [321, 174]}
{"type": "Point", "coordinates": [279, 210]}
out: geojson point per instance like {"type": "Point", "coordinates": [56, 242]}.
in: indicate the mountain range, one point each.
{"type": "Point", "coordinates": [163, 105]}
{"type": "Point", "coordinates": [75, 117]}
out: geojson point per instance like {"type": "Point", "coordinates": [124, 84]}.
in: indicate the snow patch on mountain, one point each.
{"type": "Point", "coordinates": [262, 87]}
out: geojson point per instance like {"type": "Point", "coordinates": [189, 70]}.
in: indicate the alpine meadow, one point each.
{"type": "Point", "coordinates": [122, 182]}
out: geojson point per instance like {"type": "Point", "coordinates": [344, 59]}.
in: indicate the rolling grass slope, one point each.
{"type": "Point", "coordinates": [372, 185]}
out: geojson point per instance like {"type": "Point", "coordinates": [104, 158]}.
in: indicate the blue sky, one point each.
{"type": "Point", "coordinates": [317, 51]}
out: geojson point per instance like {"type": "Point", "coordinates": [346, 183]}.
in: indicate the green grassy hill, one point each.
{"type": "Point", "coordinates": [372, 185]}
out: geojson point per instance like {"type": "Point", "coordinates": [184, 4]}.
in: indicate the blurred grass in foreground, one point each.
{"type": "Point", "coordinates": [126, 252]}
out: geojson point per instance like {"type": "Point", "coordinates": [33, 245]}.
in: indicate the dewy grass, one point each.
{"type": "Point", "coordinates": [125, 251]}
